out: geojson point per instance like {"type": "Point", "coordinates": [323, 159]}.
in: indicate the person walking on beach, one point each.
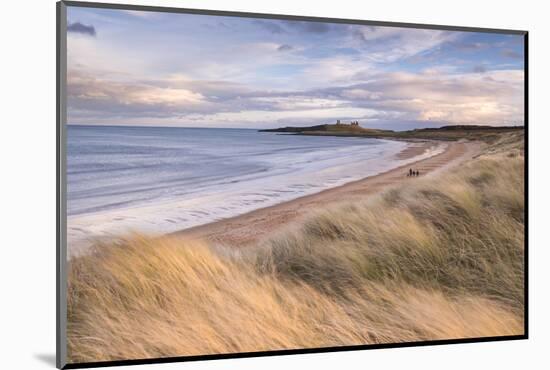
{"type": "Point", "coordinates": [413, 173]}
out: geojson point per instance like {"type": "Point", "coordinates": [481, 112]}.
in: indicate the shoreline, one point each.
{"type": "Point", "coordinates": [88, 229]}
{"type": "Point", "coordinates": [259, 224]}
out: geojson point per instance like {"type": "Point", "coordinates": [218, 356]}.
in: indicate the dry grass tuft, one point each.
{"type": "Point", "coordinates": [440, 259]}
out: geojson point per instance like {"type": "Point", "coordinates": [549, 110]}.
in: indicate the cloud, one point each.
{"type": "Point", "coordinates": [390, 44]}
{"type": "Point", "coordinates": [309, 26]}
{"type": "Point", "coordinates": [271, 26]}
{"type": "Point", "coordinates": [90, 95]}
{"type": "Point", "coordinates": [509, 53]}
{"type": "Point", "coordinates": [338, 70]}
{"type": "Point", "coordinates": [479, 69]}
{"type": "Point", "coordinates": [469, 46]}
{"type": "Point", "coordinates": [494, 97]}
{"type": "Point", "coordinates": [140, 14]}
{"type": "Point", "coordinates": [285, 47]}
{"type": "Point", "coordinates": [285, 27]}
{"type": "Point", "coordinates": [268, 72]}
{"type": "Point", "coordinates": [299, 102]}
{"type": "Point", "coordinates": [83, 29]}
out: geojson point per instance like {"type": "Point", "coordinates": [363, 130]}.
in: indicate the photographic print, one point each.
{"type": "Point", "coordinates": [240, 184]}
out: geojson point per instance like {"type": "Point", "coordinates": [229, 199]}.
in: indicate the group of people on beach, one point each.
{"type": "Point", "coordinates": [413, 173]}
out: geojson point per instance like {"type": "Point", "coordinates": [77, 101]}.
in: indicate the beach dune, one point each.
{"type": "Point", "coordinates": [434, 257]}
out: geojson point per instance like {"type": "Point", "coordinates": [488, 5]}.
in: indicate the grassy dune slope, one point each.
{"type": "Point", "coordinates": [441, 258]}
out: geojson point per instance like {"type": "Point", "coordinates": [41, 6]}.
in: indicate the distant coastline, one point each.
{"type": "Point", "coordinates": [455, 132]}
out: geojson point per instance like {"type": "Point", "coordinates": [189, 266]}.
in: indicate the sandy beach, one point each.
{"type": "Point", "coordinates": [254, 226]}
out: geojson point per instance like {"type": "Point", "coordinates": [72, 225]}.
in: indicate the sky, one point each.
{"type": "Point", "coordinates": [165, 69]}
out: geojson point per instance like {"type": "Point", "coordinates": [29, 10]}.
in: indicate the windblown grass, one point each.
{"type": "Point", "coordinates": [441, 258]}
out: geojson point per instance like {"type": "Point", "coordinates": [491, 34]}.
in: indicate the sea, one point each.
{"type": "Point", "coordinates": [163, 179]}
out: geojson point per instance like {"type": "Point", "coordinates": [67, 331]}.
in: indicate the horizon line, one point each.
{"type": "Point", "coordinates": [264, 128]}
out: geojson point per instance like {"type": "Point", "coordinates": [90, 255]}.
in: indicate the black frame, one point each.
{"type": "Point", "coordinates": [61, 113]}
